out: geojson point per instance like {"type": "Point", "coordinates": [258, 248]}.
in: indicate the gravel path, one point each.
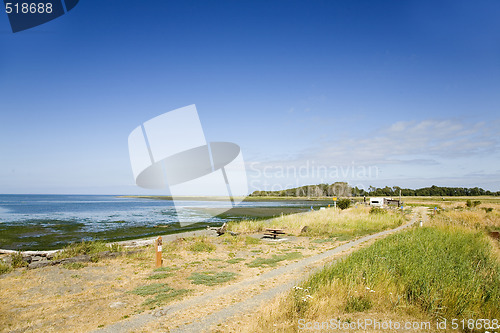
{"type": "Point", "coordinates": [199, 313]}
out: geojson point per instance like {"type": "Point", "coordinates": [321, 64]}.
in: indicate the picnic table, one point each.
{"type": "Point", "coordinates": [274, 232]}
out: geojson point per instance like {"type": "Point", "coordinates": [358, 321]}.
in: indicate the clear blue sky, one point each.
{"type": "Point", "coordinates": [377, 93]}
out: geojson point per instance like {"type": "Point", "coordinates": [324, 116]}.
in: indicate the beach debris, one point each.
{"type": "Point", "coordinates": [221, 230]}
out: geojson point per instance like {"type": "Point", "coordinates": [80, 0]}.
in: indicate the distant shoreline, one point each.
{"type": "Point", "coordinates": [221, 198]}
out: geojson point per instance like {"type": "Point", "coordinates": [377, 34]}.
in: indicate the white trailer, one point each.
{"type": "Point", "coordinates": [378, 201]}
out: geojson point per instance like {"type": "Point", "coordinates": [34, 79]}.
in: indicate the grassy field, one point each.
{"type": "Point", "coordinates": [327, 223]}
{"type": "Point", "coordinates": [448, 269]}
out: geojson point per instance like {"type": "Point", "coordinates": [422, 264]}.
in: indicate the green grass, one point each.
{"type": "Point", "coordinates": [165, 269]}
{"type": "Point", "coordinates": [165, 297]}
{"type": "Point", "coordinates": [74, 265]}
{"type": "Point", "coordinates": [234, 260]}
{"type": "Point", "coordinates": [357, 304]}
{"type": "Point", "coordinates": [274, 260]}
{"type": "Point", "coordinates": [252, 240]}
{"type": "Point", "coordinates": [4, 268]}
{"type": "Point", "coordinates": [161, 293]}
{"type": "Point", "coordinates": [86, 248]}
{"type": "Point", "coordinates": [447, 272]}
{"type": "Point", "coordinates": [159, 276]}
{"type": "Point", "coordinates": [211, 278]}
{"type": "Point", "coordinates": [239, 240]}
{"type": "Point", "coordinates": [151, 289]}
{"type": "Point", "coordinates": [323, 240]}
{"type": "Point", "coordinates": [202, 245]}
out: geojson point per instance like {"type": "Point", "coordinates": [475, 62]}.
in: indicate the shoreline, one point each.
{"type": "Point", "coordinates": [131, 243]}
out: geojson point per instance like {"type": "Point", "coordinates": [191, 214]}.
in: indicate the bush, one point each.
{"type": "Point", "coordinates": [344, 203]}
{"type": "Point", "coordinates": [17, 260]}
{"type": "Point", "coordinates": [471, 204]}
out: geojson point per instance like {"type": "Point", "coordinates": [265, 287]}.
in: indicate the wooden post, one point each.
{"type": "Point", "coordinates": [158, 249]}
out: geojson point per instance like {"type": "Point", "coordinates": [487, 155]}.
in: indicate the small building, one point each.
{"type": "Point", "coordinates": [383, 202]}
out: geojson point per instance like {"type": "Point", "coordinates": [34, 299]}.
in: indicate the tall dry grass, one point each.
{"type": "Point", "coordinates": [325, 223]}
{"type": "Point", "coordinates": [447, 269]}
{"type": "Point", "coordinates": [472, 219]}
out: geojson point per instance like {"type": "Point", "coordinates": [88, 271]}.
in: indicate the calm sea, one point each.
{"type": "Point", "coordinates": [51, 221]}
{"type": "Point", "coordinates": [95, 210]}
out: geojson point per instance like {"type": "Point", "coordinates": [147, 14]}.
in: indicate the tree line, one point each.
{"type": "Point", "coordinates": [342, 189]}
{"type": "Point", "coordinates": [337, 189]}
{"type": "Point", "coordinates": [425, 191]}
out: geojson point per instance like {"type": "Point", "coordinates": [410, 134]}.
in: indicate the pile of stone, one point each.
{"type": "Point", "coordinates": [37, 259]}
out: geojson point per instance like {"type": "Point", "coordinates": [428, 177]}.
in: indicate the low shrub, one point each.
{"type": "Point", "coordinates": [17, 260]}
{"type": "Point", "coordinates": [471, 204]}
{"type": "Point", "coordinates": [344, 203]}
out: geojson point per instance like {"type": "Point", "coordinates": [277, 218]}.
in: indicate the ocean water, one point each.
{"type": "Point", "coordinates": [51, 221]}
{"type": "Point", "coordinates": [96, 211]}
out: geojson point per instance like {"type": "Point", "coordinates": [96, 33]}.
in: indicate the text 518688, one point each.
{"type": "Point", "coordinates": [28, 8]}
